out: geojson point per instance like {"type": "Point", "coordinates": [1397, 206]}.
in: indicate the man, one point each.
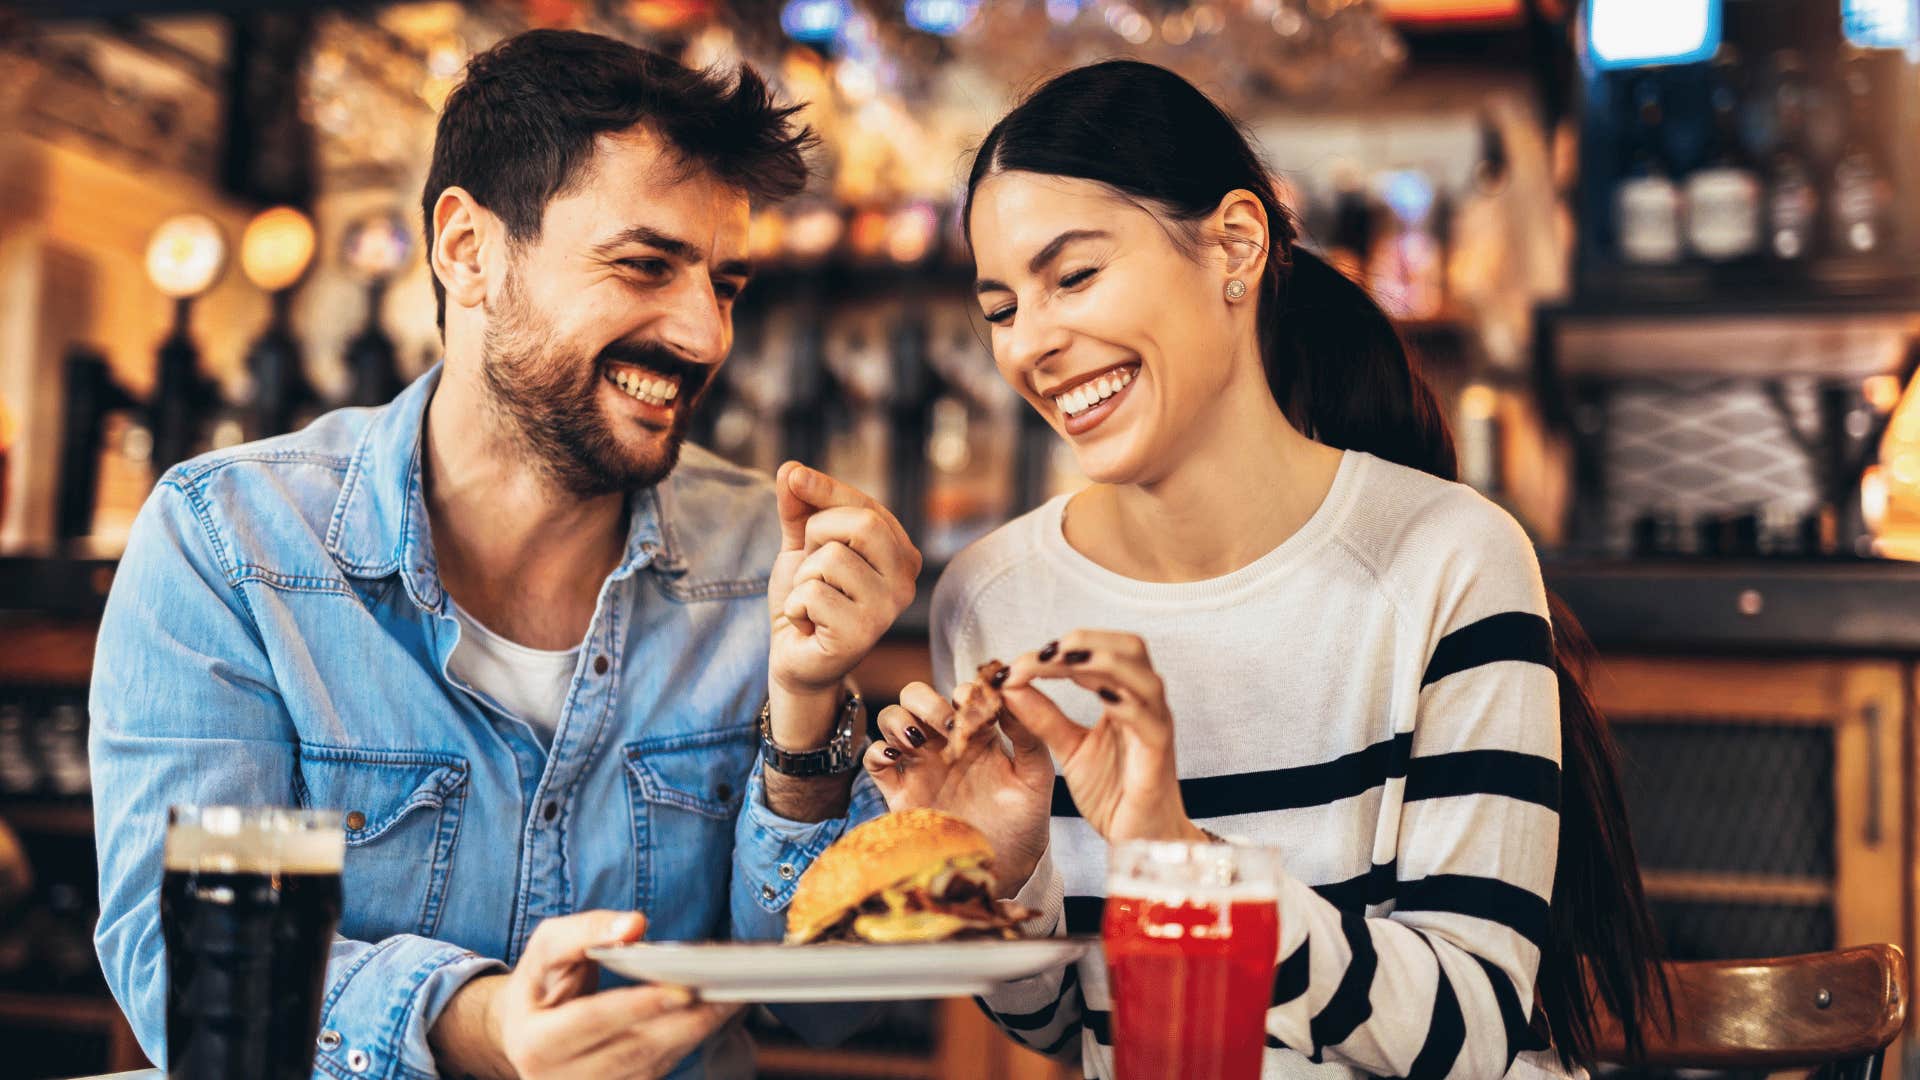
{"type": "Point", "coordinates": [496, 626]}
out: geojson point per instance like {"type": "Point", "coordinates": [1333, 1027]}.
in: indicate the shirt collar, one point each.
{"type": "Point", "coordinates": [379, 523]}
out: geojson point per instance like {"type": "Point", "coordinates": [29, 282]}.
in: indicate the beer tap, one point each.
{"type": "Point", "coordinates": [185, 258]}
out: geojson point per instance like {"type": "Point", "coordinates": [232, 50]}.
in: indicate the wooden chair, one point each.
{"type": "Point", "coordinates": [1834, 1009]}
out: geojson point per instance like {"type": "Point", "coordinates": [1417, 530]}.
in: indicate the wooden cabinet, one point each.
{"type": "Point", "coordinates": [1782, 810]}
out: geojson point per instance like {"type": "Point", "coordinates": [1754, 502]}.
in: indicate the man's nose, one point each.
{"type": "Point", "coordinates": [694, 324]}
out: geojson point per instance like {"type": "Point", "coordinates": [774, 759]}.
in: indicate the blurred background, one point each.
{"type": "Point", "coordinates": [1661, 256]}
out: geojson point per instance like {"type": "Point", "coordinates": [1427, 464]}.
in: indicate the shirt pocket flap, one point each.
{"type": "Point", "coordinates": [704, 772]}
{"type": "Point", "coordinates": [374, 790]}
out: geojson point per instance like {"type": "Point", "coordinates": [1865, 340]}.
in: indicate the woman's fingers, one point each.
{"type": "Point", "coordinates": [930, 716]}
{"type": "Point", "coordinates": [1036, 713]}
{"type": "Point", "coordinates": [905, 732]}
{"type": "Point", "coordinates": [1114, 666]}
{"type": "Point", "coordinates": [1031, 760]}
{"type": "Point", "coordinates": [906, 778]}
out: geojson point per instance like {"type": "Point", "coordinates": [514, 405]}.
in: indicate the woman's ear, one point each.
{"type": "Point", "coordinates": [1240, 223]}
{"type": "Point", "coordinates": [461, 229]}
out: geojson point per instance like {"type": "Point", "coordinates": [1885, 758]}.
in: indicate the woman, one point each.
{"type": "Point", "coordinates": [1351, 655]}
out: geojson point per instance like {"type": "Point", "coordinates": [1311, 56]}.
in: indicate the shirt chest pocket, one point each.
{"type": "Point", "coordinates": [686, 792]}
{"type": "Point", "coordinates": [402, 815]}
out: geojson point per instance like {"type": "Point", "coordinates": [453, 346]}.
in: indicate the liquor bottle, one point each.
{"type": "Point", "coordinates": [1862, 194]}
{"type": "Point", "coordinates": [1793, 201]}
{"type": "Point", "coordinates": [1646, 203]}
{"type": "Point", "coordinates": [1723, 196]}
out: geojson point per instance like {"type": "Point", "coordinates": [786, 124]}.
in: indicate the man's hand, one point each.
{"type": "Point", "coordinates": [543, 1022]}
{"type": "Point", "coordinates": [845, 572]}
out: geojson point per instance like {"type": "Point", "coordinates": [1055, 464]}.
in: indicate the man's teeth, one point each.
{"type": "Point", "coordinates": [1087, 395]}
{"type": "Point", "coordinates": [646, 388]}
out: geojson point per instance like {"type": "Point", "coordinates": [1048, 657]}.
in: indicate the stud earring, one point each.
{"type": "Point", "coordinates": [1236, 289]}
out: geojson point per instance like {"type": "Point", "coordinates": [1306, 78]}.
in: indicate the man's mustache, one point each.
{"type": "Point", "coordinates": [657, 357]}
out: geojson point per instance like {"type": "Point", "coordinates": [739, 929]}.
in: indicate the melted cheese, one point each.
{"type": "Point", "coordinates": [912, 926]}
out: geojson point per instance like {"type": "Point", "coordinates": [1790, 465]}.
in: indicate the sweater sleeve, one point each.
{"type": "Point", "coordinates": [1435, 978]}
{"type": "Point", "coordinates": [1043, 1012]}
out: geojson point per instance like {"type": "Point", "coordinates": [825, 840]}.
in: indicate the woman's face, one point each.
{"type": "Point", "coordinates": [1118, 337]}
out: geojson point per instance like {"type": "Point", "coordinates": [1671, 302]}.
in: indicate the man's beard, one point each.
{"type": "Point", "coordinates": [549, 396]}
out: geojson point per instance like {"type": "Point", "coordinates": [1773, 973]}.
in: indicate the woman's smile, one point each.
{"type": "Point", "coordinates": [1086, 401]}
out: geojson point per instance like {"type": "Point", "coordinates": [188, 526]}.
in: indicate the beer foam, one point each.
{"type": "Point", "coordinates": [234, 844]}
{"type": "Point", "coordinates": [1190, 893]}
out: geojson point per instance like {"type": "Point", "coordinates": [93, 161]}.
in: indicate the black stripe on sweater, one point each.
{"type": "Point", "coordinates": [1084, 914]}
{"type": "Point", "coordinates": [1291, 976]}
{"type": "Point", "coordinates": [1352, 1001]}
{"type": "Point", "coordinates": [1279, 789]}
{"type": "Point", "coordinates": [1520, 1034]}
{"type": "Point", "coordinates": [1525, 777]}
{"type": "Point", "coordinates": [1482, 898]}
{"type": "Point", "coordinates": [1512, 635]}
{"type": "Point", "coordinates": [1039, 1018]}
{"type": "Point", "coordinates": [1358, 892]}
{"type": "Point", "coordinates": [1446, 1031]}
{"type": "Point", "coordinates": [1100, 1023]}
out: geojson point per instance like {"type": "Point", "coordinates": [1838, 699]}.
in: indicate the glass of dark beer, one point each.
{"type": "Point", "coordinates": [248, 906]}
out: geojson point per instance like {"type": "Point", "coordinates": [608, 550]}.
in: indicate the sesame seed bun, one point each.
{"type": "Point", "coordinates": [875, 856]}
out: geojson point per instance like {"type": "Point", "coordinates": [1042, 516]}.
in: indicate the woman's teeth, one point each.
{"type": "Point", "coordinates": [646, 388]}
{"type": "Point", "coordinates": [1088, 394]}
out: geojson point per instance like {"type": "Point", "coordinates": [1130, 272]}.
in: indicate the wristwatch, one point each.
{"type": "Point", "coordinates": [836, 757]}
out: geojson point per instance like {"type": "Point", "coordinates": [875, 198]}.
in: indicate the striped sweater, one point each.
{"type": "Point", "coordinates": [1374, 698]}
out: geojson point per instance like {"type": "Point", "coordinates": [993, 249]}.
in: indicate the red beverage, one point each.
{"type": "Point", "coordinates": [1191, 979]}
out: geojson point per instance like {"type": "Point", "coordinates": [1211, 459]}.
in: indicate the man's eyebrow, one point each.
{"type": "Point", "coordinates": [684, 250]}
{"type": "Point", "coordinates": [1044, 256]}
{"type": "Point", "coordinates": [740, 268]}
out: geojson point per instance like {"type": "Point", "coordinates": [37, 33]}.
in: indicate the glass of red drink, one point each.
{"type": "Point", "coordinates": [1192, 933]}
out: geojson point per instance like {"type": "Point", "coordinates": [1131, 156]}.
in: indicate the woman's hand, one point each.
{"type": "Point", "coordinates": [933, 755]}
{"type": "Point", "coordinates": [1121, 770]}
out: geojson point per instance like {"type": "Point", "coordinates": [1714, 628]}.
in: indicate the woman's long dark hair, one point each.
{"type": "Point", "coordinates": [1340, 371]}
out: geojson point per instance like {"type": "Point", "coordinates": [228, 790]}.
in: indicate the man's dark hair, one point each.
{"type": "Point", "coordinates": [520, 128]}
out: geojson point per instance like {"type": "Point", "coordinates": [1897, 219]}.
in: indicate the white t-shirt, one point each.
{"type": "Point", "coordinates": [532, 684]}
{"type": "Point", "coordinates": [1373, 697]}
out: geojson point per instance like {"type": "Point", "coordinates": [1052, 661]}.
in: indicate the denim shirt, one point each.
{"type": "Point", "coordinates": [277, 634]}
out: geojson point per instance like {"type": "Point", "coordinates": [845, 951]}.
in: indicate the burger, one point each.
{"type": "Point", "coordinates": [915, 876]}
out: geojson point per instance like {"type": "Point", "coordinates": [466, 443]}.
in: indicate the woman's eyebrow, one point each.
{"type": "Point", "coordinates": [1044, 256]}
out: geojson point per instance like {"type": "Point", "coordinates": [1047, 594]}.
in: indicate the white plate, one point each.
{"type": "Point", "coordinates": [770, 973]}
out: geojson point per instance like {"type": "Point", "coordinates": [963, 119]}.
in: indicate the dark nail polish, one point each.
{"type": "Point", "coordinates": [1109, 696]}
{"type": "Point", "coordinates": [1000, 678]}
{"type": "Point", "coordinates": [951, 722]}
{"type": "Point", "coordinates": [1077, 656]}
{"type": "Point", "coordinates": [1048, 653]}
{"type": "Point", "coordinates": [916, 736]}
{"type": "Point", "coordinates": [890, 752]}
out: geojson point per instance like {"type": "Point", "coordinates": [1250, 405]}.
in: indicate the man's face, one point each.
{"type": "Point", "coordinates": [612, 322]}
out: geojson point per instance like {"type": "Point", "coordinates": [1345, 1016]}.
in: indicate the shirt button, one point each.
{"type": "Point", "coordinates": [723, 792]}
{"type": "Point", "coordinates": [550, 811]}
{"type": "Point", "coordinates": [767, 893]}
{"type": "Point", "coordinates": [356, 820]}
{"type": "Point", "coordinates": [600, 665]}
{"type": "Point", "coordinates": [329, 1041]}
{"type": "Point", "coordinates": [786, 871]}
{"type": "Point", "coordinates": [358, 1061]}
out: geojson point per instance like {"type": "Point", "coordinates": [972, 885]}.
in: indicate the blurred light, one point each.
{"type": "Point", "coordinates": [1879, 24]}
{"type": "Point", "coordinates": [942, 17]}
{"type": "Point", "coordinates": [1408, 193]}
{"type": "Point", "coordinates": [856, 80]}
{"type": "Point", "coordinates": [186, 255]}
{"type": "Point", "coordinates": [1479, 402]}
{"type": "Point", "coordinates": [1177, 29]}
{"type": "Point", "coordinates": [814, 21]}
{"type": "Point", "coordinates": [1445, 11]}
{"type": "Point", "coordinates": [911, 232]}
{"type": "Point", "coordinates": [766, 235]}
{"type": "Point", "coordinates": [276, 248]}
{"type": "Point", "coordinates": [814, 231]}
{"type": "Point", "coordinates": [1208, 19]}
{"type": "Point", "coordinates": [1638, 33]}
{"type": "Point", "coordinates": [1062, 12]}
{"type": "Point", "coordinates": [1875, 495]}
{"type": "Point", "coordinates": [377, 245]}
{"type": "Point", "coordinates": [1135, 28]}
{"type": "Point", "coordinates": [1882, 392]}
